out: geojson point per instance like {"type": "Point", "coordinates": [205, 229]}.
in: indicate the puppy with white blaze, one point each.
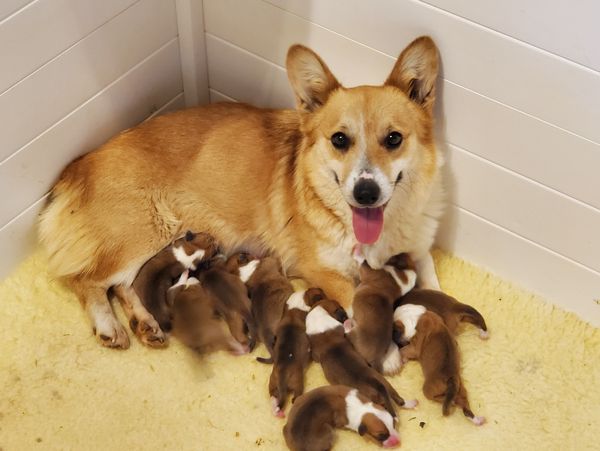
{"type": "Point", "coordinates": [348, 166]}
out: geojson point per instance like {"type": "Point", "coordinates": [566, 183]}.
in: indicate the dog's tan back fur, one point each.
{"type": "Point", "coordinates": [266, 180]}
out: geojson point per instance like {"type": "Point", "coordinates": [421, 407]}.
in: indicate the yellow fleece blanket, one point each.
{"type": "Point", "coordinates": [536, 380]}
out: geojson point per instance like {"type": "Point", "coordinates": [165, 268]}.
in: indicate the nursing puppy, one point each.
{"type": "Point", "coordinates": [316, 414]}
{"type": "Point", "coordinates": [431, 343]}
{"type": "Point", "coordinates": [196, 320]}
{"type": "Point", "coordinates": [373, 307]}
{"type": "Point", "coordinates": [269, 290]}
{"type": "Point", "coordinates": [341, 363]}
{"type": "Point", "coordinates": [348, 165]}
{"type": "Point", "coordinates": [291, 354]}
{"type": "Point", "coordinates": [156, 276]}
{"type": "Point", "coordinates": [451, 311]}
{"type": "Point", "coordinates": [231, 296]}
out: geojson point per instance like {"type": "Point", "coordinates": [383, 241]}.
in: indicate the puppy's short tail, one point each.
{"type": "Point", "coordinates": [265, 359]}
{"type": "Point", "coordinates": [451, 392]}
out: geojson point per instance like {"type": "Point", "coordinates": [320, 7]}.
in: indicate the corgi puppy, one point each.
{"type": "Point", "coordinates": [196, 319]}
{"type": "Point", "coordinates": [145, 303]}
{"type": "Point", "coordinates": [340, 361]}
{"type": "Point", "coordinates": [349, 165]}
{"type": "Point", "coordinates": [291, 353]}
{"type": "Point", "coordinates": [231, 295]}
{"type": "Point", "coordinates": [269, 290]}
{"type": "Point", "coordinates": [431, 343]}
{"type": "Point", "coordinates": [451, 311]}
{"type": "Point", "coordinates": [373, 309]}
{"type": "Point", "coordinates": [316, 414]}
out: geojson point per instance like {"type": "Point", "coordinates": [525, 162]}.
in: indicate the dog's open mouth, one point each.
{"type": "Point", "coordinates": [367, 223]}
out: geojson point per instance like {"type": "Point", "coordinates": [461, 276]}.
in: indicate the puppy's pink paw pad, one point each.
{"type": "Point", "coordinates": [484, 334]}
{"type": "Point", "coordinates": [411, 403]}
{"type": "Point", "coordinates": [478, 421]}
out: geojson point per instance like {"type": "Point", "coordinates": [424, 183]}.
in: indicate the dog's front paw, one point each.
{"type": "Point", "coordinates": [112, 334]}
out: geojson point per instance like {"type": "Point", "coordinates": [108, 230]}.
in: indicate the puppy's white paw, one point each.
{"type": "Point", "coordinates": [484, 334]}
{"type": "Point", "coordinates": [410, 404]}
{"type": "Point", "coordinates": [275, 409]}
{"type": "Point", "coordinates": [478, 421]}
{"type": "Point", "coordinates": [111, 333]}
{"type": "Point", "coordinates": [392, 362]}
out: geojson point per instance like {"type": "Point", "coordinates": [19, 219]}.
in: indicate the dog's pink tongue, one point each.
{"type": "Point", "coordinates": [367, 223]}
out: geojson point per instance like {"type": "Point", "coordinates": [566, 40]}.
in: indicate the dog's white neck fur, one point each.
{"type": "Point", "coordinates": [248, 269]}
{"type": "Point", "coordinates": [296, 300]}
{"type": "Point", "coordinates": [187, 260]}
{"type": "Point", "coordinates": [356, 409]}
{"type": "Point", "coordinates": [409, 314]}
{"type": "Point", "coordinates": [411, 277]}
{"type": "Point", "coordinates": [319, 321]}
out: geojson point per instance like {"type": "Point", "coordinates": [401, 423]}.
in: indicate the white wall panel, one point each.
{"type": "Point", "coordinates": [60, 86]}
{"type": "Point", "coordinates": [216, 96]}
{"type": "Point", "coordinates": [122, 104]}
{"type": "Point", "coordinates": [475, 57]}
{"type": "Point", "coordinates": [565, 27]}
{"type": "Point", "coordinates": [8, 7]}
{"type": "Point", "coordinates": [569, 285]}
{"type": "Point", "coordinates": [46, 28]}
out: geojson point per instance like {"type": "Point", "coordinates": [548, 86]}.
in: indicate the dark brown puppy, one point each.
{"type": "Point", "coordinates": [435, 348]}
{"type": "Point", "coordinates": [373, 306]}
{"type": "Point", "coordinates": [316, 414]}
{"type": "Point", "coordinates": [291, 354]}
{"type": "Point", "coordinates": [341, 363]}
{"type": "Point", "coordinates": [451, 311]}
{"type": "Point", "coordinates": [196, 319]}
{"type": "Point", "coordinates": [231, 297]}
{"type": "Point", "coordinates": [269, 290]}
{"type": "Point", "coordinates": [158, 274]}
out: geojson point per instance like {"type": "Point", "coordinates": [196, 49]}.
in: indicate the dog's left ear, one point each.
{"type": "Point", "coordinates": [362, 429]}
{"type": "Point", "coordinates": [416, 71]}
{"type": "Point", "coordinates": [311, 79]}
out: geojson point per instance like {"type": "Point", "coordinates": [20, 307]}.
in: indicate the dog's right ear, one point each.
{"type": "Point", "coordinates": [311, 79]}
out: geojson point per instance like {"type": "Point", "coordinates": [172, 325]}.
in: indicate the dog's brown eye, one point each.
{"type": "Point", "coordinates": [393, 140]}
{"type": "Point", "coordinates": [340, 141]}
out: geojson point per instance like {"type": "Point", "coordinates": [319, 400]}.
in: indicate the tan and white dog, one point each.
{"type": "Point", "coordinates": [350, 165]}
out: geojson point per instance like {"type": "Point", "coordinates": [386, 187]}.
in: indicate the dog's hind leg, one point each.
{"type": "Point", "coordinates": [462, 401]}
{"type": "Point", "coordinates": [105, 324]}
{"type": "Point", "coordinates": [141, 320]}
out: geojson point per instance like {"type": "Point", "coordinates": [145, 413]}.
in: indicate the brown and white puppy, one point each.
{"type": "Point", "coordinates": [372, 322]}
{"type": "Point", "coordinates": [348, 165]}
{"type": "Point", "coordinates": [341, 363]}
{"type": "Point", "coordinates": [316, 414]}
{"type": "Point", "coordinates": [451, 311]}
{"type": "Point", "coordinates": [291, 353]}
{"type": "Point", "coordinates": [196, 319]}
{"type": "Point", "coordinates": [158, 274]}
{"type": "Point", "coordinates": [269, 290]}
{"type": "Point", "coordinates": [231, 296]}
{"type": "Point", "coordinates": [431, 343]}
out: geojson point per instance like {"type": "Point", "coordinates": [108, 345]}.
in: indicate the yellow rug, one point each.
{"type": "Point", "coordinates": [537, 380]}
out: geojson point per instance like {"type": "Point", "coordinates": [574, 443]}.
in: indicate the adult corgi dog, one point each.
{"type": "Point", "coordinates": [349, 166]}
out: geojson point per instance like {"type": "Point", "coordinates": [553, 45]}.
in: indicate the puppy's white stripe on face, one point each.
{"type": "Point", "coordinates": [409, 314]}
{"type": "Point", "coordinates": [356, 409]}
{"type": "Point", "coordinates": [319, 321]}
{"type": "Point", "coordinates": [411, 277]}
{"type": "Point", "coordinates": [248, 269]}
{"type": "Point", "coordinates": [187, 260]}
{"type": "Point", "coordinates": [296, 300]}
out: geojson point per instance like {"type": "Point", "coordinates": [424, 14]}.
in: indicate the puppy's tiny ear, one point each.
{"type": "Point", "coordinates": [189, 235]}
{"type": "Point", "coordinates": [311, 79]}
{"type": "Point", "coordinates": [416, 72]}
{"type": "Point", "coordinates": [341, 315]}
{"type": "Point", "coordinates": [362, 429]}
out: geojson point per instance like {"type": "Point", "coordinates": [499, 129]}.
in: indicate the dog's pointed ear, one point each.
{"type": "Point", "coordinates": [311, 79]}
{"type": "Point", "coordinates": [362, 429]}
{"type": "Point", "coordinates": [416, 72]}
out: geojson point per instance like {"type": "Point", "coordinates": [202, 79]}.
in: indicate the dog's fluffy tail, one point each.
{"type": "Point", "coordinates": [451, 391]}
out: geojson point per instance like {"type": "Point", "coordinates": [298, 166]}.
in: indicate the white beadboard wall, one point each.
{"type": "Point", "coordinates": [519, 116]}
{"type": "Point", "coordinates": [74, 73]}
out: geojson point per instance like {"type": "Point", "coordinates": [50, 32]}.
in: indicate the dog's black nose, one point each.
{"type": "Point", "coordinates": [366, 192]}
